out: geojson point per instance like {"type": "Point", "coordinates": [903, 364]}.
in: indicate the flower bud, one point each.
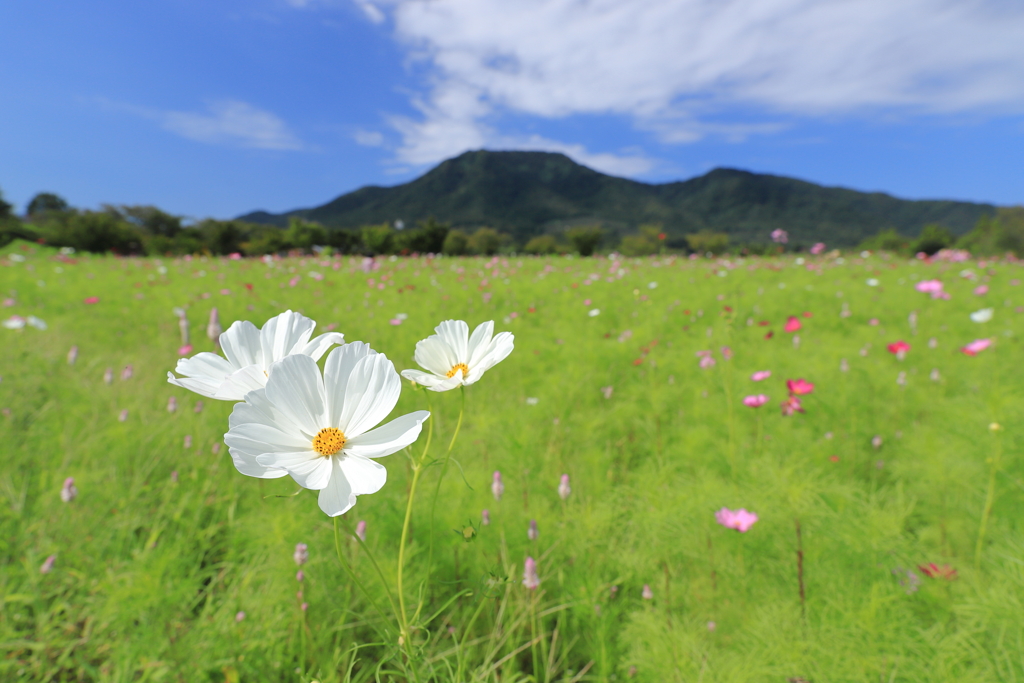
{"type": "Point", "coordinates": [361, 530]}
{"type": "Point", "coordinates": [530, 578]}
{"type": "Point", "coordinates": [72, 355]}
{"type": "Point", "coordinates": [68, 493]}
{"type": "Point", "coordinates": [485, 517]}
{"type": "Point", "coordinates": [532, 532]}
{"type": "Point", "coordinates": [172, 404]}
{"type": "Point", "coordinates": [497, 487]}
{"type": "Point", "coordinates": [239, 617]}
{"type": "Point", "coordinates": [647, 593]}
{"type": "Point", "coordinates": [563, 487]}
{"type": "Point", "coordinates": [301, 554]}
{"type": "Point", "coordinates": [47, 565]}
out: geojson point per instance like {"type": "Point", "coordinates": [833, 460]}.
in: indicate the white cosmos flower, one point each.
{"type": "Point", "coordinates": [983, 315]}
{"type": "Point", "coordinates": [250, 352]}
{"type": "Point", "coordinates": [319, 429]}
{"type": "Point", "coordinates": [453, 358]}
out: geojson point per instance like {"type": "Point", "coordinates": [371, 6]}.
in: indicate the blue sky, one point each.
{"type": "Point", "coordinates": [216, 109]}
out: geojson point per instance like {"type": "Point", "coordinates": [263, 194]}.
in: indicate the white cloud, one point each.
{"type": "Point", "coordinates": [371, 11]}
{"type": "Point", "coordinates": [232, 122]}
{"type": "Point", "coordinates": [673, 67]}
{"type": "Point", "coordinates": [368, 138]}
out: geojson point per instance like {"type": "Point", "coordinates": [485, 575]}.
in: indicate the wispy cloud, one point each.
{"type": "Point", "coordinates": [674, 67]}
{"type": "Point", "coordinates": [230, 122]}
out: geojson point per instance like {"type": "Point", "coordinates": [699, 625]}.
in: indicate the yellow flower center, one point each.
{"type": "Point", "coordinates": [328, 441]}
{"type": "Point", "coordinates": [456, 368]}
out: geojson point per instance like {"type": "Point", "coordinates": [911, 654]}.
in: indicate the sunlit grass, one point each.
{"type": "Point", "coordinates": [151, 573]}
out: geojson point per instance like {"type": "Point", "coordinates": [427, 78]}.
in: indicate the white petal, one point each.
{"type": "Point", "coordinates": [449, 383]}
{"type": "Point", "coordinates": [364, 476]}
{"type": "Point", "coordinates": [247, 465]}
{"type": "Point", "coordinates": [372, 392]}
{"type": "Point", "coordinates": [258, 408]}
{"type": "Point", "coordinates": [241, 382]}
{"type": "Point", "coordinates": [295, 387]}
{"type": "Point", "coordinates": [318, 346]}
{"type": "Point", "coordinates": [241, 344]}
{"type": "Point", "coordinates": [205, 366]}
{"type": "Point", "coordinates": [455, 333]}
{"type": "Point", "coordinates": [389, 438]}
{"type": "Point", "coordinates": [498, 350]}
{"type": "Point", "coordinates": [434, 355]}
{"type": "Point", "coordinates": [337, 497]}
{"type": "Point", "coordinates": [310, 470]}
{"type": "Point", "coordinates": [425, 378]}
{"type": "Point", "coordinates": [337, 369]}
{"type": "Point", "coordinates": [203, 387]}
{"type": "Point", "coordinates": [479, 342]}
{"type": "Point", "coordinates": [284, 334]}
{"type": "Point", "coordinates": [260, 439]}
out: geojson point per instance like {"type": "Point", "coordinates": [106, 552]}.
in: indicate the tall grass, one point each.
{"type": "Point", "coordinates": [152, 571]}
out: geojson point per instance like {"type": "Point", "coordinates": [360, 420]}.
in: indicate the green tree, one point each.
{"type": "Point", "coordinates": [933, 237]}
{"type": "Point", "coordinates": [96, 231]}
{"type": "Point", "coordinates": [706, 241]}
{"type": "Point", "coordinates": [542, 244]}
{"type": "Point", "coordinates": [151, 219]}
{"type": "Point", "coordinates": [456, 243]}
{"type": "Point", "coordinates": [886, 240]}
{"type": "Point", "coordinates": [5, 207]}
{"type": "Point", "coordinates": [998, 234]}
{"type": "Point", "coordinates": [304, 235]}
{"type": "Point", "coordinates": [485, 241]}
{"type": "Point", "coordinates": [222, 237]}
{"type": "Point", "coordinates": [585, 239]}
{"type": "Point", "coordinates": [426, 238]}
{"type": "Point", "coordinates": [46, 202]}
{"type": "Point", "coordinates": [344, 241]}
{"type": "Point", "coordinates": [378, 239]}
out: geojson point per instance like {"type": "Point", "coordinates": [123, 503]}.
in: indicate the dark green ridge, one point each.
{"type": "Point", "coordinates": [530, 193]}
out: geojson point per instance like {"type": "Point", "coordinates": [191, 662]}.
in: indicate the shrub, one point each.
{"type": "Point", "coordinates": [706, 241]}
{"type": "Point", "coordinates": [886, 240]}
{"type": "Point", "coordinates": [585, 239]}
{"type": "Point", "coordinates": [456, 243]}
{"type": "Point", "coordinates": [996, 235]}
{"type": "Point", "coordinates": [485, 241]}
{"type": "Point", "coordinates": [542, 244]}
{"type": "Point", "coordinates": [378, 238]}
{"type": "Point", "coordinates": [932, 238]}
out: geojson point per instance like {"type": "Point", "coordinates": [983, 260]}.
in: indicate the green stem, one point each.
{"type": "Point", "coordinates": [437, 490]}
{"type": "Point", "coordinates": [989, 501]}
{"type": "Point", "coordinates": [355, 579]}
{"type": "Point", "coordinates": [417, 469]}
{"type": "Point", "coordinates": [759, 440]}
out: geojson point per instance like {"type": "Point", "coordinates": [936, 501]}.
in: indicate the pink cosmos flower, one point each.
{"type": "Point", "coordinates": [981, 290]}
{"type": "Point", "coordinates": [726, 352]}
{"type": "Point", "coordinates": [976, 346]}
{"type": "Point", "coordinates": [899, 349]}
{"type": "Point", "coordinates": [818, 248]}
{"type": "Point", "coordinates": [740, 520]}
{"type": "Point", "coordinates": [799, 387]}
{"type": "Point", "coordinates": [91, 300]}
{"type": "Point", "coordinates": [761, 375]}
{"type": "Point", "coordinates": [780, 236]}
{"type": "Point", "coordinates": [793, 324]}
{"type": "Point", "coordinates": [929, 286]}
{"type": "Point", "coordinates": [185, 350]}
{"type": "Point", "coordinates": [755, 401]}
{"type": "Point", "coordinates": [791, 405]}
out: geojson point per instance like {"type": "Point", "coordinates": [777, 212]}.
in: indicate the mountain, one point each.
{"type": "Point", "coordinates": [530, 193]}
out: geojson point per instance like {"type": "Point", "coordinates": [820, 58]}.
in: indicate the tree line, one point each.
{"type": "Point", "coordinates": [148, 230]}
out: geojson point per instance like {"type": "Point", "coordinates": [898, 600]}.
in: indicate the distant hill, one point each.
{"type": "Point", "coordinates": [530, 193]}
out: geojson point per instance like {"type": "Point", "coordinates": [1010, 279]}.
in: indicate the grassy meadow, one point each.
{"type": "Point", "coordinates": [172, 566]}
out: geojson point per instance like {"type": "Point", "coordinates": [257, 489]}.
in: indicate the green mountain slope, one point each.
{"type": "Point", "coordinates": [529, 193]}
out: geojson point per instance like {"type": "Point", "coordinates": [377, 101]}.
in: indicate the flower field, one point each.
{"type": "Point", "coordinates": [781, 469]}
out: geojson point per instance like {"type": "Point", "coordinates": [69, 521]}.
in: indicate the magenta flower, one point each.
{"type": "Point", "coordinates": [976, 346]}
{"type": "Point", "coordinates": [799, 387]}
{"type": "Point", "coordinates": [726, 352]}
{"type": "Point", "coordinates": [91, 300]}
{"type": "Point", "coordinates": [184, 349]}
{"type": "Point", "coordinates": [755, 401]}
{"type": "Point", "coordinates": [981, 290]}
{"type": "Point", "coordinates": [761, 375]}
{"type": "Point", "coordinates": [740, 520]}
{"type": "Point", "coordinates": [818, 248]}
{"type": "Point", "coordinates": [780, 236]}
{"type": "Point", "coordinates": [791, 405]}
{"type": "Point", "coordinates": [793, 324]}
{"type": "Point", "coordinates": [929, 286]}
{"type": "Point", "coordinates": [530, 578]}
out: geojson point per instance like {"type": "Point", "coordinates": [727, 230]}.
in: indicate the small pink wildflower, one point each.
{"type": "Point", "coordinates": [47, 565]}
{"type": "Point", "coordinates": [818, 248]}
{"type": "Point", "coordinates": [361, 530]}
{"type": "Point", "coordinates": [69, 492]}
{"type": "Point", "coordinates": [530, 578]}
{"type": "Point", "coordinates": [89, 300]}
{"type": "Point", "coordinates": [647, 593]}
{"type": "Point", "coordinates": [791, 405]}
{"type": "Point", "coordinates": [799, 387]}
{"type": "Point", "coordinates": [981, 290]}
{"type": "Point", "coordinates": [485, 517]}
{"type": "Point", "coordinates": [532, 533]}
{"type": "Point", "coordinates": [761, 375]}
{"type": "Point", "coordinates": [755, 401]}
{"type": "Point", "coordinates": [740, 520]}
{"type": "Point", "coordinates": [976, 346]}
{"type": "Point", "coordinates": [497, 486]}
{"type": "Point", "coordinates": [793, 324]}
{"type": "Point", "coordinates": [301, 554]}
{"type": "Point", "coordinates": [563, 487]}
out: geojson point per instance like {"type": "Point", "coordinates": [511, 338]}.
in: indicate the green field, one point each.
{"type": "Point", "coordinates": [153, 568]}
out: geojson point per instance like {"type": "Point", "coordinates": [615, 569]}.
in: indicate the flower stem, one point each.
{"type": "Point", "coordinates": [990, 497]}
{"type": "Point", "coordinates": [417, 469]}
{"type": "Point", "coordinates": [437, 489]}
{"type": "Point", "coordinates": [355, 579]}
